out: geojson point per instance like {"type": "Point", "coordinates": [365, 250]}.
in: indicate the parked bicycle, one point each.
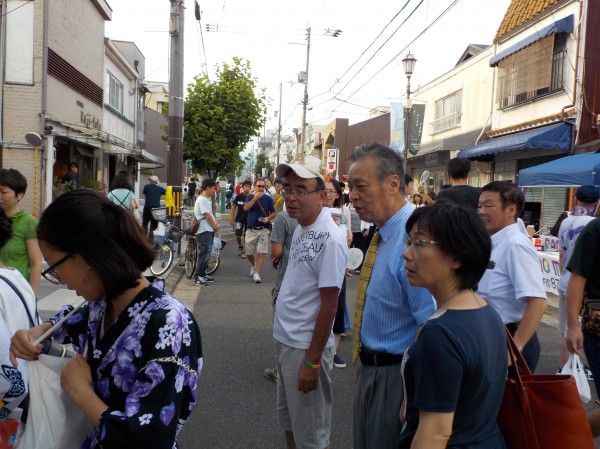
{"type": "Point", "coordinates": [173, 234]}
{"type": "Point", "coordinates": [191, 251]}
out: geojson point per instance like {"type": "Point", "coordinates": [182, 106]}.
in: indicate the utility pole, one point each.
{"type": "Point", "coordinates": [305, 99]}
{"type": "Point", "coordinates": [175, 121]}
{"type": "Point", "coordinates": [279, 126]}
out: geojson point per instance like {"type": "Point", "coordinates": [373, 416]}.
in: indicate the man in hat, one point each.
{"type": "Point", "coordinates": [586, 201]}
{"type": "Point", "coordinates": [306, 307]}
{"type": "Point", "coordinates": [152, 194]}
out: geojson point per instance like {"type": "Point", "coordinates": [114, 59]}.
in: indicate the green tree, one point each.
{"type": "Point", "coordinates": [221, 117]}
{"type": "Point", "coordinates": [262, 161]}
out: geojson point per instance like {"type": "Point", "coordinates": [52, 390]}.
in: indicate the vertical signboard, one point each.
{"type": "Point", "coordinates": [417, 113]}
{"type": "Point", "coordinates": [397, 127]}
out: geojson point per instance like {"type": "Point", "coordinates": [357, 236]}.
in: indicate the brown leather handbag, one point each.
{"type": "Point", "coordinates": [541, 411]}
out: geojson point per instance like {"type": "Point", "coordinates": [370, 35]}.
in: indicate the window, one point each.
{"type": "Point", "coordinates": [447, 112]}
{"type": "Point", "coordinates": [532, 72]}
{"type": "Point", "coordinates": [115, 94]}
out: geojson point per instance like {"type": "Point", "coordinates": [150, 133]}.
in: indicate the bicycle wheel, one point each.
{"type": "Point", "coordinates": [163, 260]}
{"type": "Point", "coordinates": [191, 257]}
{"type": "Point", "coordinates": [212, 265]}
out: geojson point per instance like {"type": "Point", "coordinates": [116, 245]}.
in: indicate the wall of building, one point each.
{"type": "Point", "coordinates": [153, 136]}
{"type": "Point", "coordinates": [113, 123]}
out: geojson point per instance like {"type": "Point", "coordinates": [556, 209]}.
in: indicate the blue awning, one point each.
{"type": "Point", "coordinates": [564, 25]}
{"type": "Point", "coordinates": [554, 137]}
{"type": "Point", "coordinates": [570, 171]}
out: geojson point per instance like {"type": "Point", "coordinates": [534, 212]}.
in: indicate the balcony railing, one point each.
{"type": "Point", "coordinates": [446, 122]}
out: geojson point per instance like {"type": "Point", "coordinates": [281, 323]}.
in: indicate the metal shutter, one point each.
{"type": "Point", "coordinates": [554, 200]}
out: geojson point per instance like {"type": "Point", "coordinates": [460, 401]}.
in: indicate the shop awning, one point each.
{"type": "Point", "coordinates": [85, 151]}
{"type": "Point", "coordinates": [554, 137]}
{"type": "Point", "coordinates": [453, 143]}
{"type": "Point", "coordinates": [145, 156]}
{"type": "Point", "coordinates": [110, 148]}
{"type": "Point", "coordinates": [564, 25]}
{"type": "Point", "coordinates": [569, 171]}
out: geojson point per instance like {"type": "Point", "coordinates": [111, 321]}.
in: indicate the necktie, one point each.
{"type": "Point", "coordinates": [361, 294]}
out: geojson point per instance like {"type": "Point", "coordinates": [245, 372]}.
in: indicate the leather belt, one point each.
{"type": "Point", "coordinates": [374, 358]}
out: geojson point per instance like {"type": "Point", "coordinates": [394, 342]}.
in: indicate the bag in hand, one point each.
{"type": "Point", "coordinates": [541, 411]}
{"type": "Point", "coordinates": [574, 367]}
{"type": "Point", "coordinates": [590, 316]}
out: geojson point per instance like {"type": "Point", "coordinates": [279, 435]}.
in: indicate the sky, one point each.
{"type": "Point", "coordinates": [348, 75]}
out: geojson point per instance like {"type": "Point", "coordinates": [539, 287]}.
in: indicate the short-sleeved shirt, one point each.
{"type": "Point", "coordinates": [463, 195]}
{"type": "Point", "coordinates": [201, 207]}
{"type": "Point", "coordinates": [255, 211]}
{"type": "Point", "coordinates": [15, 254]}
{"type": "Point", "coordinates": [569, 232]}
{"type": "Point", "coordinates": [393, 308]}
{"type": "Point", "coordinates": [585, 260]}
{"type": "Point", "coordinates": [282, 232]}
{"type": "Point", "coordinates": [318, 257]}
{"type": "Point", "coordinates": [513, 274]}
{"type": "Point", "coordinates": [458, 365]}
{"type": "Point", "coordinates": [153, 193]}
{"type": "Point", "coordinates": [241, 216]}
{"type": "Point", "coordinates": [121, 197]}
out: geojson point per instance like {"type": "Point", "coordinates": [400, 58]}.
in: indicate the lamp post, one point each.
{"type": "Point", "coordinates": [408, 63]}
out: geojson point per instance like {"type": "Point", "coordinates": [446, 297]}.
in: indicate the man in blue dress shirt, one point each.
{"type": "Point", "coordinates": [393, 310]}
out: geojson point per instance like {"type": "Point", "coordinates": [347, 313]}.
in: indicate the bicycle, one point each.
{"type": "Point", "coordinates": [164, 255]}
{"type": "Point", "coordinates": [191, 253]}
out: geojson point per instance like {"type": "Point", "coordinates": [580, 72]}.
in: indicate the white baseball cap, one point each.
{"type": "Point", "coordinates": [308, 168]}
{"type": "Point", "coordinates": [154, 178]}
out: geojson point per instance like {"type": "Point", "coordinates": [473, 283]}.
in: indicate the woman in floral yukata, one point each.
{"type": "Point", "coordinates": [137, 384]}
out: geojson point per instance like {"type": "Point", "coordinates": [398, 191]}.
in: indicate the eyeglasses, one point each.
{"type": "Point", "coordinates": [417, 244]}
{"type": "Point", "coordinates": [261, 186]}
{"type": "Point", "coordinates": [51, 275]}
{"type": "Point", "coordinates": [297, 193]}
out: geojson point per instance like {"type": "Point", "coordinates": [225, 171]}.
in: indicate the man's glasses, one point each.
{"type": "Point", "coordinates": [51, 275]}
{"type": "Point", "coordinates": [417, 244]}
{"type": "Point", "coordinates": [297, 193]}
{"type": "Point", "coordinates": [260, 186]}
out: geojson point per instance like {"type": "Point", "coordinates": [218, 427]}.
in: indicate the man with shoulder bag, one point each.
{"type": "Point", "coordinates": [584, 289]}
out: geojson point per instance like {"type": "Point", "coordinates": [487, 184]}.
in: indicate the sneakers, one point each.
{"type": "Point", "coordinates": [338, 362]}
{"type": "Point", "coordinates": [240, 250]}
{"type": "Point", "coordinates": [256, 278]}
{"type": "Point", "coordinates": [588, 373]}
{"type": "Point", "coordinates": [243, 256]}
{"type": "Point", "coordinates": [271, 374]}
{"type": "Point", "coordinates": [252, 271]}
{"type": "Point", "coordinates": [208, 278]}
{"type": "Point", "coordinates": [200, 281]}
{"type": "Point", "coordinates": [203, 280]}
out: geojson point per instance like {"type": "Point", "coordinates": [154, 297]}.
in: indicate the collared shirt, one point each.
{"type": "Point", "coordinates": [515, 276]}
{"type": "Point", "coordinates": [393, 308]}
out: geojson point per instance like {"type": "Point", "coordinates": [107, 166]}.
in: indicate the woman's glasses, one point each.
{"type": "Point", "coordinates": [50, 274]}
{"type": "Point", "coordinates": [417, 244]}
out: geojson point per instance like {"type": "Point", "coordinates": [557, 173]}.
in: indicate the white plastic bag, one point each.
{"type": "Point", "coordinates": [574, 367]}
{"type": "Point", "coordinates": [216, 248]}
{"type": "Point", "coordinates": [53, 421]}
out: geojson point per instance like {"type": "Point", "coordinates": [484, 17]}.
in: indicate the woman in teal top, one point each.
{"type": "Point", "coordinates": [121, 194]}
{"type": "Point", "coordinates": [22, 251]}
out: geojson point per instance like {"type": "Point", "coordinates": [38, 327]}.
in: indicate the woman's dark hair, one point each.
{"type": "Point", "coordinates": [107, 236]}
{"type": "Point", "coordinates": [120, 181]}
{"type": "Point", "coordinates": [418, 195]}
{"type": "Point", "coordinates": [5, 228]}
{"type": "Point", "coordinates": [339, 201]}
{"type": "Point", "coordinates": [13, 179]}
{"type": "Point", "coordinates": [460, 233]}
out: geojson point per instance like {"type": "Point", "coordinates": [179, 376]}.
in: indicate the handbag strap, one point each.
{"type": "Point", "coordinates": [261, 208]}
{"type": "Point", "coordinates": [516, 357]}
{"type": "Point", "coordinates": [20, 295]}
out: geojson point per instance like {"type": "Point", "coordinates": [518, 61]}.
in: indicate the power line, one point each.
{"type": "Point", "coordinates": [370, 45]}
{"type": "Point", "coordinates": [14, 9]}
{"type": "Point", "coordinates": [197, 14]}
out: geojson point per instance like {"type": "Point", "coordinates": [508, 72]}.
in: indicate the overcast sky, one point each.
{"type": "Point", "coordinates": [271, 34]}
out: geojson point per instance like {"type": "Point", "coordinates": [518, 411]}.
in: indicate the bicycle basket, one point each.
{"type": "Point", "coordinates": [173, 234]}
{"type": "Point", "coordinates": [159, 213]}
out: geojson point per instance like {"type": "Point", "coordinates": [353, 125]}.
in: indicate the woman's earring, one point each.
{"type": "Point", "coordinates": [86, 280]}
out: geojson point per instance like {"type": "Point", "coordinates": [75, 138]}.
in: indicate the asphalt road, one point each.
{"type": "Point", "coordinates": [236, 404]}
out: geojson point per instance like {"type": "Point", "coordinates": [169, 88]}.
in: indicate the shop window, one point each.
{"type": "Point", "coordinates": [115, 93]}
{"type": "Point", "coordinates": [447, 112]}
{"type": "Point", "coordinates": [532, 72]}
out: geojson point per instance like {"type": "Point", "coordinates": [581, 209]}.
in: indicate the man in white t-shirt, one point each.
{"type": "Point", "coordinates": [306, 307]}
{"type": "Point", "coordinates": [586, 201]}
{"type": "Point", "coordinates": [513, 283]}
{"type": "Point", "coordinates": [207, 230]}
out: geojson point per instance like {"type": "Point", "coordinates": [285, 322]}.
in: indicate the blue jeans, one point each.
{"type": "Point", "coordinates": [591, 346]}
{"type": "Point", "coordinates": [205, 241]}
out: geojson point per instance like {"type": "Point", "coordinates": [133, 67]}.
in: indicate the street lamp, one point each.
{"type": "Point", "coordinates": [408, 63]}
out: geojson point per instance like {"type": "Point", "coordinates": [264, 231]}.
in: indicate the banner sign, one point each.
{"type": "Point", "coordinates": [550, 270]}
{"type": "Point", "coordinates": [397, 127]}
{"type": "Point", "coordinates": [417, 113]}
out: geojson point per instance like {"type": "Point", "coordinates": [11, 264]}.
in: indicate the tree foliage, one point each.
{"type": "Point", "coordinates": [262, 161]}
{"type": "Point", "coordinates": [221, 117]}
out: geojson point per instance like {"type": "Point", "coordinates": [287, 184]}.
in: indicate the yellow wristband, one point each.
{"type": "Point", "coordinates": [312, 365]}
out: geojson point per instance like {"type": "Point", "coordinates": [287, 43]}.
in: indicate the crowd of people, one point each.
{"type": "Point", "coordinates": [452, 271]}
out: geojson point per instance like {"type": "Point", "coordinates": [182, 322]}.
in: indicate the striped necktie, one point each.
{"type": "Point", "coordinates": [361, 294]}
